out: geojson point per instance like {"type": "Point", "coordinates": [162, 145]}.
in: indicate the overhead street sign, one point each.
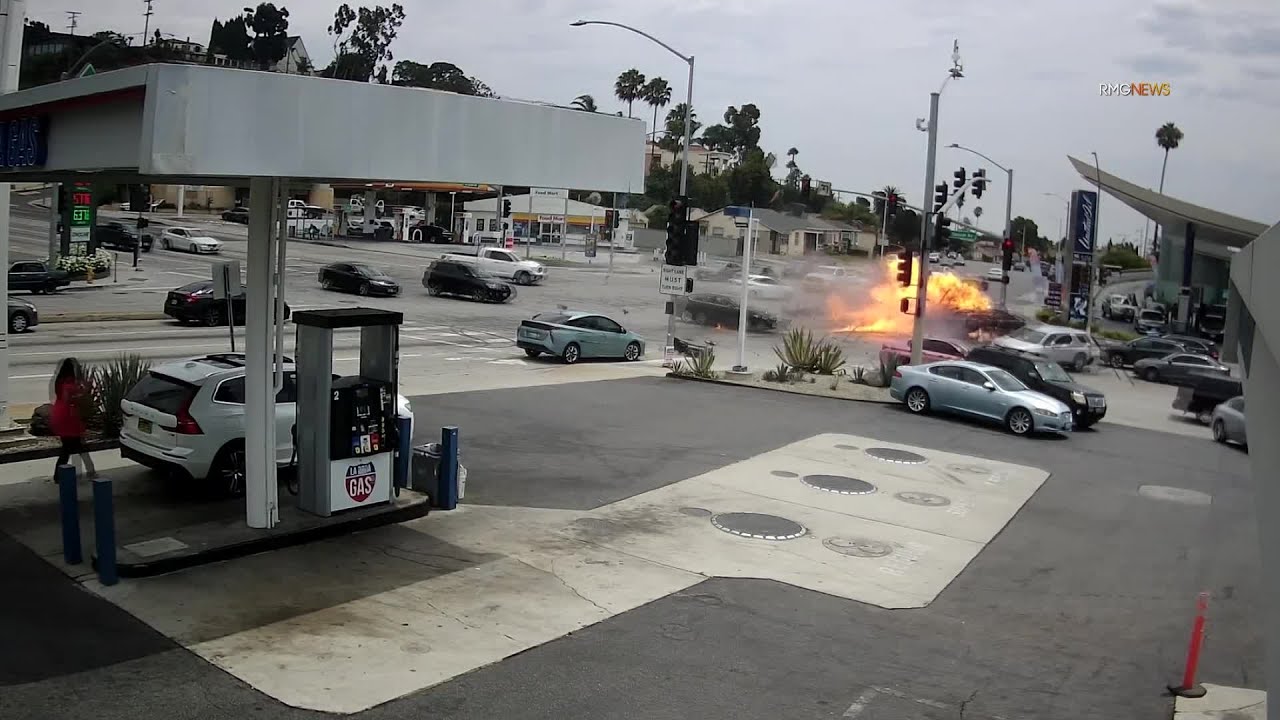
{"type": "Point", "coordinates": [962, 234]}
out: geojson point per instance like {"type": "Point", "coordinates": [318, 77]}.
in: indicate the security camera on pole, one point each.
{"type": "Point", "coordinates": [931, 127]}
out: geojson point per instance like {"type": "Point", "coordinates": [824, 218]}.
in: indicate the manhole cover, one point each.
{"type": "Point", "coordinates": [848, 447]}
{"type": "Point", "coordinates": [758, 526]}
{"type": "Point", "coordinates": [893, 455]}
{"type": "Point", "coordinates": [784, 473]}
{"type": "Point", "coordinates": [839, 484]}
{"type": "Point", "coordinates": [858, 547]}
{"type": "Point", "coordinates": [695, 512]}
{"type": "Point", "coordinates": [1175, 494]}
{"type": "Point", "coordinates": [922, 498]}
{"type": "Point", "coordinates": [971, 469]}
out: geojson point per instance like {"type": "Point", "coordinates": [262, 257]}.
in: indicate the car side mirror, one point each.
{"type": "Point", "coordinates": [989, 386]}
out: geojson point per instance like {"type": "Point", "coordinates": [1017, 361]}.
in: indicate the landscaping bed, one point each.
{"type": "Point", "coordinates": [838, 386]}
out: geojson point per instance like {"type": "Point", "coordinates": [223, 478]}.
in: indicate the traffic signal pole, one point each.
{"type": "Point", "coordinates": [1008, 235]}
{"type": "Point", "coordinates": [917, 330]}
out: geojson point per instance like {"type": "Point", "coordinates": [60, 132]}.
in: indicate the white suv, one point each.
{"type": "Point", "coordinates": [187, 417]}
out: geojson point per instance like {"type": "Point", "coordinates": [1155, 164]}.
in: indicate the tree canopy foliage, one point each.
{"type": "Point", "coordinates": [438, 76]}
{"type": "Point", "coordinates": [362, 40]}
{"type": "Point", "coordinates": [260, 35]}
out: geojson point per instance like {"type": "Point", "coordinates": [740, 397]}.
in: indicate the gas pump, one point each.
{"type": "Point", "coordinates": [347, 434]}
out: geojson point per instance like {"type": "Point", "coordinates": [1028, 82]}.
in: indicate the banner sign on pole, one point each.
{"type": "Point", "coordinates": [591, 246]}
{"type": "Point", "coordinates": [1084, 208]}
{"type": "Point", "coordinates": [1053, 298]}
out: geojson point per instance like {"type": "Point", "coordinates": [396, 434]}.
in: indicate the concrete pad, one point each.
{"type": "Point", "coordinates": [1223, 703]}
{"type": "Point", "coordinates": [42, 469]}
{"type": "Point", "coordinates": [422, 376]}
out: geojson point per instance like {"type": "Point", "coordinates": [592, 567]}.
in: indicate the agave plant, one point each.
{"type": "Point", "coordinates": [828, 358]}
{"type": "Point", "coordinates": [798, 349]}
{"type": "Point", "coordinates": [107, 385]}
{"type": "Point", "coordinates": [700, 365]}
{"type": "Point", "coordinates": [858, 375]}
{"type": "Point", "coordinates": [888, 366]}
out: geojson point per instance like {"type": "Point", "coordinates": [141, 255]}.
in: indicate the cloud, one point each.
{"type": "Point", "coordinates": [1163, 65]}
{"type": "Point", "coordinates": [1253, 42]}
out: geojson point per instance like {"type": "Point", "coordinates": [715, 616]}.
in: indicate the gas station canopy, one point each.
{"type": "Point", "coordinates": [216, 125]}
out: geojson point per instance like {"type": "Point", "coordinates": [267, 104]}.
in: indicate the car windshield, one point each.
{"type": "Point", "coordinates": [1027, 335]}
{"type": "Point", "coordinates": [371, 272]}
{"type": "Point", "coordinates": [1005, 381]}
{"type": "Point", "coordinates": [1052, 372]}
{"type": "Point", "coordinates": [1153, 315]}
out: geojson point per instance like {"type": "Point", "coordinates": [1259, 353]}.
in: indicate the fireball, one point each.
{"type": "Point", "coordinates": [881, 310]}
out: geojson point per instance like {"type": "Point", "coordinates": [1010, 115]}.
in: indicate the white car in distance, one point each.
{"type": "Point", "coordinates": [825, 276]}
{"type": "Point", "coordinates": [995, 273]}
{"type": "Point", "coordinates": [765, 287]}
{"type": "Point", "coordinates": [186, 239]}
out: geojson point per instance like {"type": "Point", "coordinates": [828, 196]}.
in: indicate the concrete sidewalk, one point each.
{"type": "Point", "coordinates": [1223, 703]}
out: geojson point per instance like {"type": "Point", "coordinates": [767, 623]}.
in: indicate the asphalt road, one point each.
{"type": "Point", "coordinates": [1078, 609]}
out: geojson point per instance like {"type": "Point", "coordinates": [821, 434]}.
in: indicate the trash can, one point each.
{"type": "Point", "coordinates": [426, 470]}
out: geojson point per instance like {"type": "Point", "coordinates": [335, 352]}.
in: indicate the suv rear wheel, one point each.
{"type": "Point", "coordinates": [226, 476]}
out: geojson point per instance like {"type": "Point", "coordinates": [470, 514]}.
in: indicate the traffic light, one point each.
{"type": "Point", "coordinates": [893, 205]}
{"type": "Point", "coordinates": [1006, 257]}
{"type": "Point", "coordinates": [959, 179]}
{"type": "Point", "coordinates": [939, 196]}
{"type": "Point", "coordinates": [942, 233]}
{"type": "Point", "coordinates": [979, 183]}
{"type": "Point", "coordinates": [506, 208]}
{"type": "Point", "coordinates": [905, 261]}
{"type": "Point", "coordinates": [677, 224]}
{"type": "Point", "coordinates": [805, 187]}
{"type": "Point", "coordinates": [689, 244]}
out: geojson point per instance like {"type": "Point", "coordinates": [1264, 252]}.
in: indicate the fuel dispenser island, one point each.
{"type": "Point", "coordinates": [347, 432]}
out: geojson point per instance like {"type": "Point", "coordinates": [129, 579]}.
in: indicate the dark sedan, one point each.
{"type": "Point", "coordinates": [1178, 367]}
{"type": "Point", "coordinates": [445, 277]}
{"type": "Point", "coordinates": [36, 277]}
{"type": "Point", "coordinates": [237, 215]}
{"type": "Point", "coordinates": [722, 311]}
{"type": "Point", "coordinates": [993, 320]}
{"type": "Point", "coordinates": [1119, 356]}
{"type": "Point", "coordinates": [357, 278]}
{"type": "Point", "coordinates": [195, 303]}
{"type": "Point", "coordinates": [119, 236]}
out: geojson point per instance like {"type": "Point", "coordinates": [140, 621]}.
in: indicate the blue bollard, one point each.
{"type": "Point", "coordinates": [104, 531]}
{"type": "Point", "coordinates": [447, 482]}
{"type": "Point", "coordinates": [69, 504]}
{"type": "Point", "coordinates": [404, 453]}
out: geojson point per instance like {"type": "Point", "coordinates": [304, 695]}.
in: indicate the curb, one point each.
{"type": "Point", "coordinates": [789, 391]}
{"type": "Point", "coordinates": [70, 317]}
{"type": "Point", "coordinates": [42, 453]}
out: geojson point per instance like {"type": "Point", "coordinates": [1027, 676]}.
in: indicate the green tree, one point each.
{"type": "Point", "coordinates": [657, 93]}
{"type": "Point", "coordinates": [585, 103]}
{"type": "Point", "coordinates": [629, 87]}
{"type": "Point", "coordinates": [904, 228]}
{"type": "Point", "coordinates": [739, 133]}
{"type": "Point", "coordinates": [793, 169]}
{"type": "Point", "coordinates": [1168, 137]}
{"type": "Point", "coordinates": [362, 41]}
{"type": "Point", "coordinates": [751, 180]}
{"type": "Point", "coordinates": [438, 76]}
{"type": "Point", "coordinates": [674, 137]}
{"type": "Point", "coordinates": [1021, 227]}
{"type": "Point", "coordinates": [231, 38]}
{"type": "Point", "coordinates": [270, 26]}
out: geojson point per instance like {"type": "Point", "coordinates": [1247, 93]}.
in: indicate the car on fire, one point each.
{"type": "Point", "coordinates": [572, 336]}
{"type": "Point", "coordinates": [980, 391]}
{"type": "Point", "coordinates": [721, 311]}
{"type": "Point", "coordinates": [931, 350]}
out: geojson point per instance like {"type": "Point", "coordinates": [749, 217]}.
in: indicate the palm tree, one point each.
{"type": "Point", "coordinates": [793, 169]}
{"type": "Point", "coordinates": [791, 157]}
{"type": "Point", "coordinates": [629, 87]}
{"type": "Point", "coordinates": [1168, 136]}
{"type": "Point", "coordinates": [657, 92]}
{"type": "Point", "coordinates": [585, 103]}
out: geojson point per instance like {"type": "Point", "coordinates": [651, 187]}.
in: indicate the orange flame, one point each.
{"type": "Point", "coordinates": [882, 310]}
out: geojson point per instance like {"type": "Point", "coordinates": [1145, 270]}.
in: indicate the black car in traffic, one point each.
{"type": "Point", "coordinates": [1119, 356]}
{"type": "Point", "coordinates": [1088, 406]}
{"type": "Point", "coordinates": [119, 236]}
{"type": "Point", "coordinates": [425, 232]}
{"type": "Point", "coordinates": [722, 311]}
{"type": "Point", "coordinates": [445, 277]}
{"type": "Point", "coordinates": [195, 303]}
{"type": "Point", "coordinates": [237, 215]}
{"type": "Point", "coordinates": [357, 278]}
{"type": "Point", "coordinates": [36, 277]}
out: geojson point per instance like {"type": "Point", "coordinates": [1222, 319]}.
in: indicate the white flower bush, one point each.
{"type": "Point", "coordinates": [99, 262]}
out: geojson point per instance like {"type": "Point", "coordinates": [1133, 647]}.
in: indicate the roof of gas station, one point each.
{"type": "Point", "coordinates": [1211, 225]}
{"type": "Point", "coordinates": [222, 126]}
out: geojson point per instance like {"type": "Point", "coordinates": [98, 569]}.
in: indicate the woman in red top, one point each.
{"type": "Point", "coordinates": [65, 419]}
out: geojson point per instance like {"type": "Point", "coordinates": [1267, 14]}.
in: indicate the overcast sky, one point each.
{"type": "Point", "coordinates": [844, 81]}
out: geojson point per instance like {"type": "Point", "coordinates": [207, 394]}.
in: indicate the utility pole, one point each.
{"type": "Point", "coordinates": [146, 28]}
{"type": "Point", "coordinates": [11, 28]}
{"type": "Point", "coordinates": [917, 329]}
{"type": "Point", "coordinates": [72, 20]}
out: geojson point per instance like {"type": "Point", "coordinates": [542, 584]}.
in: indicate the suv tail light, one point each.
{"type": "Point", "coordinates": [186, 424]}
{"type": "Point", "coordinates": [897, 373]}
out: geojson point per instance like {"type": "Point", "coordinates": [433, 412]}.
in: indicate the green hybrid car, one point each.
{"type": "Point", "coordinates": [572, 336]}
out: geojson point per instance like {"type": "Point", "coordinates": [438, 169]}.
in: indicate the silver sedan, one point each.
{"type": "Point", "coordinates": [979, 391]}
{"type": "Point", "coordinates": [1228, 422]}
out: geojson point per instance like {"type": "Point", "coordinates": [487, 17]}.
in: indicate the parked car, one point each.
{"type": "Point", "coordinates": [189, 240]}
{"type": "Point", "coordinates": [1199, 394]}
{"type": "Point", "coordinates": [1228, 422]}
{"type": "Point", "coordinates": [425, 232]}
{"type": "Point", "coordinates": [36, 277]}
{"type": "Point", "coordinates": [765, 288]}
{"type": "Point", "coordinates": [116, 235]}
{"type": "Point", "coordinates": [1119, 307]}
{"type": "Point", "coordinates": [187, 418]}
{"type": "Point", "coordinates": [449, 277]}
{"type": "Point", "coordinates": [979, 391]}
{"type": "Point", "coordinates": [931, 350]}
{"type": "Point", "coordinates": [572, 336]}
{"type": "Point", "coordinates": [1088, 406]}
{"type": "Point", "coordinates": [721, 310]}
{"type": "Point", "coordinates": [1211, 322]}
{"type": "Point", "coordinates": [358, 278]}
{"type": "Point", "coordinates": [1151, 322]}
{"type": "Point", "coordinates": [502, 264]}
{"type": "Point", "coordinates": [1199, 346]}
{"type": "Point", "coordinates": [1068, 347]}
{"type": "Point", "coordinates": [727, 271]}
{"type": "Point", "coordinates": [22, 316]}
{"type": "Point", "coordinates": [1121, 356]}
{"type": "Point", "coordinates": [195, 303]}
{"type": "Point", "coordinates": [824, 277]}
{"type": "Point", "coordinates": [237, 215]}
{"type": "Point", "coordinates": [1178, 366]}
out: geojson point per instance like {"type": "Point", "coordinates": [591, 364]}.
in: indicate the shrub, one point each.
{"type": "Point", "coordinates": [889, 363]}
{"type": "Point", "coordinates": [99, 262]}
{"type": "Point", "coordinates": [700, 365]}
{"type": "Point", "coordinates": [1049, 316]}
{"type": "Point", "coordinates": [858, 375]}
{"type": "Point", "coordinates": [678, 369]}
{"type": "Point", "coordinates": [827, 359]}
{"type": "Point", "coordinates": [1119, 335]}
{"type": "Point", "coordinates": [106, 386]}
{"type": "Point", "coordinates": [798, 350]}
{"type": "Point", "coordinates": [780, 374]}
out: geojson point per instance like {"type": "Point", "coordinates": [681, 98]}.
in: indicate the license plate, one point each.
{"type": "Point", "coordinates": [144, 426]}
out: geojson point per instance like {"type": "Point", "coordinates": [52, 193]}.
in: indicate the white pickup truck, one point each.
{"type": "Point", "coordinates": [502, 263]}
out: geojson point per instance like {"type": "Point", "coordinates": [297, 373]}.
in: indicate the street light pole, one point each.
{"type": "Point", "coordinates": [684, 164]}
{"type": "Point", "coordinates": [917, 328]}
